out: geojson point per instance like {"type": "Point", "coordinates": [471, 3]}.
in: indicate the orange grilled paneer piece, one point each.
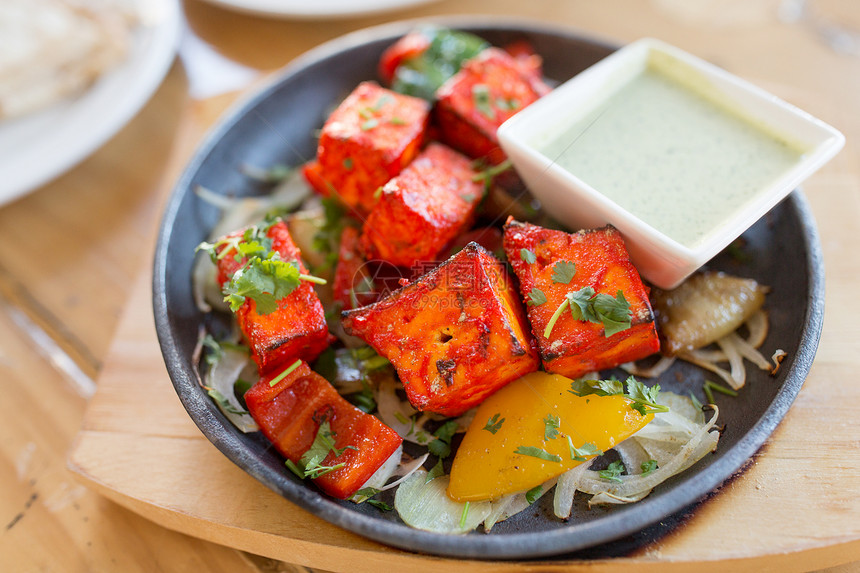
{"type": "Point", "coordinates": [371, 136]}
{"type": "Point", "coordinates": [290, 411]}
{"type": "Point", "coordinates": [551, 264]}
{"type": "Point", "coordinates": [423, 209]}
{"type": "Point", "coordinates": [455, 335]}
{"type": "Point", "coordinates": [488, 90]}
{"type": "Point", "coordinates": [297, 327]}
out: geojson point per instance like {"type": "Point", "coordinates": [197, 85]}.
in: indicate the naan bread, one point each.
{"type": "Point", "coordinates": [54, 49]}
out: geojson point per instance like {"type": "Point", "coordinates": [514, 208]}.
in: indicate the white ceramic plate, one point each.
{"type": "Point", "coordinates": [36, 148]}
{"type": "Point", "coordinates": [317, 9]}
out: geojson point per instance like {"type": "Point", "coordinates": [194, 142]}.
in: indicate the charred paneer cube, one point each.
{"type": "Point", "coordinates": [278, 329]}
{"type": "Point", "coordinates": [371, 136]}
{"type": "Point", "coordinates": [488, 90]}
{"type": "Point", "coordinates": [298, 409]}
{"type": "Point", "coordinates": [455, 335]}
{"type": "Point", "coordinates": [422, 210]}
{"type": "Point", "coordinates": [587, 305]}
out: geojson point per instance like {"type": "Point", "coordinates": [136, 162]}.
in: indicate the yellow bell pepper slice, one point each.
{"type": "Point", "coordinates": [522, 435]}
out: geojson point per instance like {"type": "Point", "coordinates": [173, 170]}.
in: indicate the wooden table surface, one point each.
{"type": "Point", "coordinates": [72, 252]}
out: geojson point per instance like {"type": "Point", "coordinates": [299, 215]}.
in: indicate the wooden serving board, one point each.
{"type": "Point", "coordinates": [795, 507]}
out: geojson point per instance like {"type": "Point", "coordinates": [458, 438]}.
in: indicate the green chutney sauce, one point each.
{"type": "Point", "coordinates": [680, 162]}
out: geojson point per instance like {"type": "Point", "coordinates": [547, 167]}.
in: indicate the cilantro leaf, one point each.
{"type": "Point", "coordinates": [534, 494]}
{"type": "Point", "coordinates": [494, 424]}
{"type": "Point", "coordinates": [379, 504]}
{"type": "Point", "coordinates": [310, 464]}
{"type": "Point", "coordinates": [644, 399]}
{"type": "Point", "coordinates": [551, 425]}
{"type": "Point", "coordinates": [537, 453]}
{"type": "Point", "coordinates": [213, 350]}
{"type": "Point", "coordinates": [263, 281]}
{"type": "Point", "coordinates": [612, 472]}
{"type": "Point", "coordinates": [581, 453]}
{"type": "Point", "coordinates": [648, 467]}
{"type": "Point", "coordinates": [366, 492]}
{"type": "Point", "coordinates": [481, 99]}
{"type": "Point", "coordinates": [614, 313]}
{"type": "Point", "coordinates": [528, 256]}
{"type": "Point", "coordinates": [563, 272]}
{"type": "Point", "coordinates": [580, 304]}
{"type": "Point", "coordinates": [441, 446]}
{"type": "Point", "coordinates": [222, 401]}
{"type": "Point", "coordinates": [436, 471]}
{"type": "Point", "coordinates": [536, 297]}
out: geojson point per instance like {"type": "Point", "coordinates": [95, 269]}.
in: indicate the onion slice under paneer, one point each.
{"type": "Point", "coordinates": [704, 308]}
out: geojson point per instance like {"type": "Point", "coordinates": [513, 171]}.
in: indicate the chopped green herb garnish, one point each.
{"type": "Point", "coordinates": [465, 515]}
{"type": "Point", "coordinates": [487, 173]}
{"type": "Point", "coordinates": [537, 453]}
{"type": "Point", "coordinates": [481, 99]}
{"type": "Point", "coordinates": [528, 256]}
{"type": "Point", "coordinates": [348, 163]}
{"type": "Point", "coordinates": [643, 398]}
{"type": "Point", "coordinates": [441, 446]}
{"type": "Point", "coordinates": [695, 401]}
{"type": "Point", "coordinates": [436, 471]}
{"type": "Point", "coordinates": [581, 453]}
{"type": "Point", "coordinates": [369, 124]}
{"type": "Point", "coordinates": [494, 424]}
{"type": "Point", "coordinates": [285, 372]}
{"type": "Point", "coordinates": [222, 401]}
{"type": "Point", "coordinates": [213, 350]}
{"type": "Point", "coordinates": [379, 504]}
{"type": "Point", "coordinates": [708, 386]}
{"type": "Point", "coordinates": [648, 467]}
{"type": "Point", "coordinates": [264, 277]}
{"type": "Point", "coordinates": [563, 272]}
{"type": "Point", "coordinates": [551, 425]}
{"type": "Point", "coordinates": [534, 494]}
{"type": "Point", "coordinates": [612, 312]}
{"type": "Point", "coordinates": [397, 121]}
{"type": "Point", "coordinates": [536, 297]}
{"type": "Point", "coordinates": [508, 103]}
{"type": "Point", "coordinates": [613, 471]}
{"type": "Point", "coordinates": [366, 492]}
{"type": "Point", "coordinates": [310, 465]}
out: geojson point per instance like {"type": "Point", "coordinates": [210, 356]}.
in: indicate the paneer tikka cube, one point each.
{"type": "Point", "coordinates": [368, 139]}
{"type": "Point", "coordinates": [542, 258]}
{"type": "Point", "coordinates": [423, 209]}
{"type": "Point", "coordinates": [454, 335]}
{"type": "Point", "coordinates": [297, 328]}
{"type": "Point", "coordinates": [487, 91]}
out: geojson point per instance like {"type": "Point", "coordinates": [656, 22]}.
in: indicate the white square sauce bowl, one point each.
{"type": "Point", "coordinates": [677, 154]}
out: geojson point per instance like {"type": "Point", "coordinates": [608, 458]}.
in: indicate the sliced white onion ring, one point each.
{"type": "Point", "coordinates": [426, 505]}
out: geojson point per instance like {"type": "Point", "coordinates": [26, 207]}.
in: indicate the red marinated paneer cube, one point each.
{"type": "Point", "coordinates": [290, 414]}
{"type": "Point", "coordinates": [297, 327]}
{"type": "Point", "coordinates": [423, 209]}
{"type": "Point", "coordinates": [487, 91]}
{"type": "Point", "coordinates": [455, 335]}
{"type": "Point", "coordinates": [550, 264]}
{"type": "Point", "coordinates": [371, 136]}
